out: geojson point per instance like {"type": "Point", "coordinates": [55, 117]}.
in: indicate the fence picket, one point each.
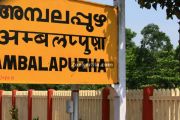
{"type": "Point", "coordinates": [176, 105]}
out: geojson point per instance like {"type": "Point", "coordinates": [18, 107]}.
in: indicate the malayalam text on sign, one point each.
{"type": "Point", "coordinates": [57, 42]}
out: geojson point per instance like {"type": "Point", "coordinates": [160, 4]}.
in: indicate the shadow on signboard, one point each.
{"type": "Point", "coordinates": [112, 27]}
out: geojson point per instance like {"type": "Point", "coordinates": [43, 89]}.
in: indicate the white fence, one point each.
{"type": "Point", "coordinates": [90, 105]}
{"type": "Point", "coordinates": [166, 105]}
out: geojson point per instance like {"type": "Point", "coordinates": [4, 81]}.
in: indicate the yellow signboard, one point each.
{"type": "Point", "coordinates": [57, 42]}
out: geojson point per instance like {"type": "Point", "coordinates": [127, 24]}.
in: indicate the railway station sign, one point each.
{"type": "Point", "coordinates": [57, 42]}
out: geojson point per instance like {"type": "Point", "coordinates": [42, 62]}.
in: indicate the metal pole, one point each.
{"type": "Point", "coordinates": [71, 114]}
{"type": "Point", "coordinates": [179, 46]}
{"type": "Point", "coordinates": [120, 98]}
{"type": "Point", "coordinates": [75, 98]}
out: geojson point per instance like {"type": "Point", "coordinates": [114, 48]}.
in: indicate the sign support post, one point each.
{"type": "Point", "coordinates": [75, 99]}
{"type": "Point", "coordinates": [120, 98]}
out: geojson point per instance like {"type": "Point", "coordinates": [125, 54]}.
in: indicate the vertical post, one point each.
{"type": "Point", "coordinates": [14, 98]}
{"type": "Point", "coordinates": [105, 104]}
{"type": "Point", "coordinates": [1, 95]}
{"type": "Point", "coordinates": [49, 104]}
{"type": "Point", "coordinates": [179, 46]}
{"type": "Point", "coordinates": [75, 99]}
{"type": "Point", "coordinates": [30, 93]}
{"type": "Point", "coordinates": [120, 98]}
{"type": "Point", "coordinates": [71, 114]}
{"type": "Point", "coordinates": [147, 104]}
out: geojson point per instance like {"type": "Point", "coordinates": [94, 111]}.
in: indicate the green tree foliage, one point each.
{"type": "Point", "coordinates": [161, 64]}
{"type": "Point", "coordinates": [154, 62]}
{"type": "Point", "coordinates": [130, 58]}
{"type": "Point", "coordinates": [177, 53]}
{"type": "Point", "coordinates": [177, 57]}
{"type": "Point", "coordinates": [172, 6]}
{"type": "Point", "coordinates": [129, 36]}
{"type": "Point", "coordinates": [167, 73]}
{"type": "Point", "coordinates": [155, 40]}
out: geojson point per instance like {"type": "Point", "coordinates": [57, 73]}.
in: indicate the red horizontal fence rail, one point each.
{"type": "Point", "coordinates": [147, 104]}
